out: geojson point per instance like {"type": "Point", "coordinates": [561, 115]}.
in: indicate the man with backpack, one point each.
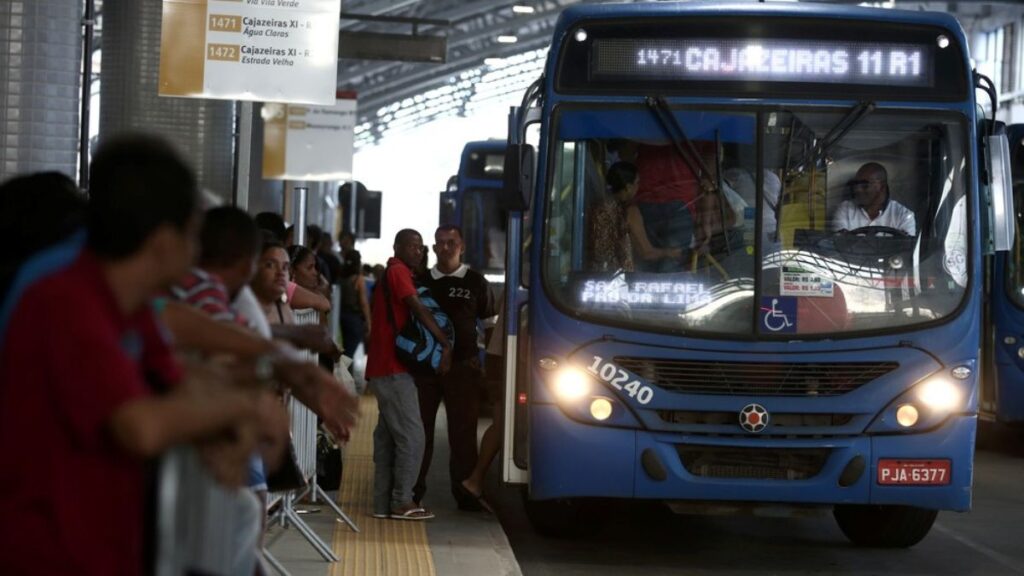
{"type": "Point", "coordinates": [398, 440]}
{"type": "Point", "coordinates": [465, 296]}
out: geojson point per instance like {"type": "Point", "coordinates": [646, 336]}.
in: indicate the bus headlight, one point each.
{"type": "Point", "coordinates": [571, 384]}
{"type": "Point", "coordinates": [940, 395]}
{"type": "Point", "coordinates": [924, 407]}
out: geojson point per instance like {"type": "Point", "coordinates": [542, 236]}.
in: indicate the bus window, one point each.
{"type": "Point", "coordinates": [634, 233]}
{"type": "Point", "coordinates": [872, 232]}
{"type": "Point", "coordinates": [484, 230]}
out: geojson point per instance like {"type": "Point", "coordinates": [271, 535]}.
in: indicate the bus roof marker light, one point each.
{"type": "Point", "coordinates": [548, 363]}
{"type": "Point", "coordinates": [942, 41]}
{"type": "Point", "coordinates": [581, 35]}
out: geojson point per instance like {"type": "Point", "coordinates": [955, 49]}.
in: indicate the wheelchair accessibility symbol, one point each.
{"type": "Point", "coordinates": [778, 314]}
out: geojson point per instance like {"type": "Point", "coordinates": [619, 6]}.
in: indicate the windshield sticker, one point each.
{"type": "Point", "coordinates": [640, 293]}
{"type": "Point", "coordinates": [805, 284]}
{"type": "Point", "coordinates": [778, 314]}
{"type": "Point", "coordinates": [955, 263]}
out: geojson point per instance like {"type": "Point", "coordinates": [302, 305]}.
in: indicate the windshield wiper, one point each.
{"type": "Point", "coordinates": [691, 156]}
{"type": "Point", "coordinates": [682, 143]}
{"type": "Point", "coordinates": [834, 135]}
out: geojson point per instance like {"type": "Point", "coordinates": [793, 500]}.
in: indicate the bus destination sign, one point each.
{"type": "Point", "coordinates": [763, 60]}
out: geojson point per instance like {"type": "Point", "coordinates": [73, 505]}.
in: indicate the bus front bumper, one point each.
{"type": "Point", "coordinates": [581, 460]}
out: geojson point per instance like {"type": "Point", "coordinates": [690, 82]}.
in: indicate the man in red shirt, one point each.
{"type": "Point", "coordinates": [398, 440]}
{"type": "Point", "coordinates": [80, 356]}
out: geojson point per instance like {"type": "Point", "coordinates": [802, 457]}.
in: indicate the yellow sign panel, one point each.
{"type": "Point", "coordinates": [265, 50]}
{"type": "Point", "coordinates": [308, 142]}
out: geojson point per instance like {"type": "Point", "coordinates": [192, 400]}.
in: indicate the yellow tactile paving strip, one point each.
{"type": "Point", "coordinates": [391, 547]}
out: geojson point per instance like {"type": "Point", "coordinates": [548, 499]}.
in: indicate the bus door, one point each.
{"type": "Point", "coordinates": [513, 320]}
{"type": "Point", "coordinates": [1002, 392]}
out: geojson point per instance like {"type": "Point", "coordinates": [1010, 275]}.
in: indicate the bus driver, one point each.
{"type": "Point", "coordinates": [871, 204]}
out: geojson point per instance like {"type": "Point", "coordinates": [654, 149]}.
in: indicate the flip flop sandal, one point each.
{"type": "Point", "coordinates": [412, 514]}
{"type": "Point", "coordinates": [479, 498]}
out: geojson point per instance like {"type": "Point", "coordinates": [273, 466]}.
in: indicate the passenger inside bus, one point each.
{"type": "Point", "coordinates": [742, 181]}
{"type": "Point", "coordinates": [872, 205]}
{"type": "Point", "coordinates": [618, 232]}
{"type": "Point", "coordinates": [665, 197]}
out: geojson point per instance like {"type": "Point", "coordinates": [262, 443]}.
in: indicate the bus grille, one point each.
{"type": "Point", "coordinates": [756, 378]}
{"type": "Point", "coordinates": [783, 421]}
{"type": "Point", "coordinates": [752, 463]}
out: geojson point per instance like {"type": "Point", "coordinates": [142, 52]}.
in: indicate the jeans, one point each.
{"type": "Point", "coordinates": [397, 442]}
{"type": "Point", "coordinates": [668, 225]}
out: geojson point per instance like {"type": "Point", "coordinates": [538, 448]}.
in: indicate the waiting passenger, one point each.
{"type": "Point", "coordinates": [872, 205]}
{"type": "Point", "coordinates": [465, 296]}
{"type": "Point", "coordinates": [398, 439]}
{"type": "Point", "coordinates": [305, 273]}
{"type": "Point", "coordinates": [273, 223]}
{"type": "Point", "coordinates": [36, 212]}
{"type": "Point", "coordinates": [270, 284]}
{"type": "Point", "coordinates": [81, 354]}
{"type": "Point", "coordinates": [354, 315]}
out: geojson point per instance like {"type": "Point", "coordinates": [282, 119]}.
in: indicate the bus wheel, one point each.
{"type": "Point", "coordinates": [564, 518]}
{"type": "Point", "coordinates": [884, 526]}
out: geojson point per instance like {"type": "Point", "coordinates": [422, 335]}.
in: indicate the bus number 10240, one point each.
{"type": "Point", "coordinates": [620, 380]}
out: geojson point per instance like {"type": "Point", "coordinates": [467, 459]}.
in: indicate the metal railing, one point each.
{"type": "Point", "coordinates": [203, 526]}
{"type": "Point", "coordinates": [304, 431]}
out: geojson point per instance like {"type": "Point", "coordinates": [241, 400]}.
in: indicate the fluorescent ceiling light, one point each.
{"type": "Point", "coordinates": [521, 9]}
{"type": "Point", "coordinates": [507, 39]}
{"type": "Point", "coordinates": [493, 61]}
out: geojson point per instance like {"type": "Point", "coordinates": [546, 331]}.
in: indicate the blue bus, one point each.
{"type": "Point", "coordinates": [471, 201]}
{"type": "Point", "coordinates": [1002, 393]}
{"type": "Point", "coordinates": [808, 193]}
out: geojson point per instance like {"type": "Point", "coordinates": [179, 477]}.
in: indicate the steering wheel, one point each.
{"type": "Point", "coordinates": [878, 230]}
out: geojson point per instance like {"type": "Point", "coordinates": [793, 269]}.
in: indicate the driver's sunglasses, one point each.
{"type": "Point", "coordinates": [853, 184]}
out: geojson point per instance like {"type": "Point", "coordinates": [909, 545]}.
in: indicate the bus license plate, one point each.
{"type": "Point", "coordinates": [914, 472]}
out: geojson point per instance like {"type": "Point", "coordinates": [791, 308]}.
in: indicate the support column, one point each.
{"type": "Point", "coordinates": [40, 67]}
{"type": "Point", "coordinates": [200, 129]}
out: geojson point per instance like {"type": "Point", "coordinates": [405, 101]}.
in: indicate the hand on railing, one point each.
{"type": "Point", "coordinates": [311, 337]}
{"type": "Point", "coordinates": [322, 393]}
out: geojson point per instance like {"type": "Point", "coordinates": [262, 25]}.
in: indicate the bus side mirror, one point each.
{"type": "Point", "coordinates": [1001, 188]}
{"type": "Point", "coordinates": [520, 160]}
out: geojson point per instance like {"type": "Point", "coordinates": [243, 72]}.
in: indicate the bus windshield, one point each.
{"type": "Point", "coordinates": [756, 223]}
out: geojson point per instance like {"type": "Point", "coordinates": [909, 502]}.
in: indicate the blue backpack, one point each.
{"type": "Point", "coordinates": [415, 346]}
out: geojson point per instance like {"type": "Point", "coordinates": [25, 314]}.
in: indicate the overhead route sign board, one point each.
{"type": "Point", "coordinates": [264, 50]}
{"type": "Point", "coordinates": [303, 142]}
